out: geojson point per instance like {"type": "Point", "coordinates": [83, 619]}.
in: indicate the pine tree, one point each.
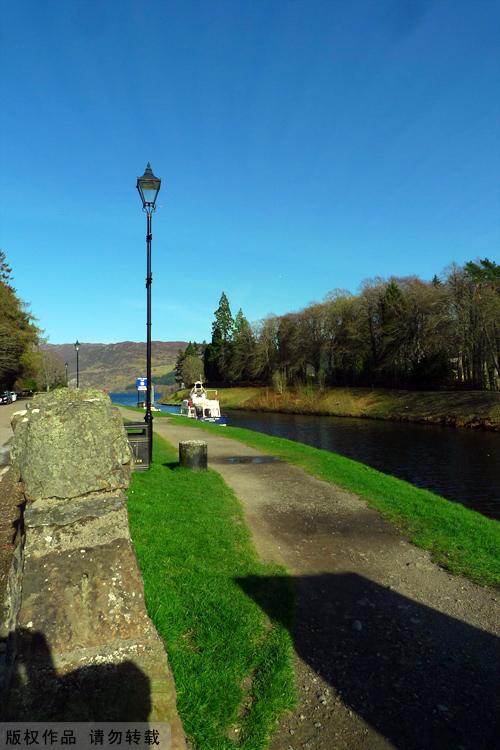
{"type": "Point", "coordinates": [5, 271]}
{"type": "Point", "coordinates": [223, 320]}
{"type": "Point", "coordinates": [484, 271]}
{"type": "Point", "coordinates": [178, 366]}
{"type": "Point", "coordinates": [218, 354]}
{"type": "Point", "coordinates": [242, 350]}
{"type": "Point", "coordinates": [392, 306]}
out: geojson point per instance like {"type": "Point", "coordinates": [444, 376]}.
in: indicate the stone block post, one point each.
{"type": "Point", "coordinates": [193, 454]}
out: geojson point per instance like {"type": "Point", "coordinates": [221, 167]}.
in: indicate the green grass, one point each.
{"type": "Point", "coordinates": [232, 665]}
{"type": "Point", "coordinates": [459, 539]}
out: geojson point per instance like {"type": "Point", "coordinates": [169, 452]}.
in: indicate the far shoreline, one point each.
{"type": "Point", "coordinates": [478, 410]}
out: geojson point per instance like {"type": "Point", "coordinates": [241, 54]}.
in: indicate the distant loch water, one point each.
{"type": "Point", "coordinates": [461, 465]}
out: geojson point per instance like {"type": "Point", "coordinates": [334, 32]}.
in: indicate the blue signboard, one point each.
{"type": "Point", "coordinates": [141, 384]}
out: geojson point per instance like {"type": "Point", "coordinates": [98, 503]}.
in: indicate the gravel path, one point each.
{"type": "Point", "coordinates": [392, 651]}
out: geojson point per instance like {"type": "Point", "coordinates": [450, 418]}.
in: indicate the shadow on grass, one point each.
{"type": "Point", "coordinates": [420, 678]}
{"type": "Point", "coordinates": [172, 465]}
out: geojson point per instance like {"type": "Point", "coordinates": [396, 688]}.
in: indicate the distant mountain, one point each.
{"type": "Point", "coordinates": [114, 366]}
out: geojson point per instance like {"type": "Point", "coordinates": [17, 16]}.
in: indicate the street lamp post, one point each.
{"type": "Point", "coordinates": [66, 369]}
{"type": "Point", "coordinates": [148, 186]}
{"type": "Point", "coordinates": [77, 349]}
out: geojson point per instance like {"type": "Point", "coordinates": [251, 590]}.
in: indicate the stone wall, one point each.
{"type": "Point", "coordinates": [80, 644]}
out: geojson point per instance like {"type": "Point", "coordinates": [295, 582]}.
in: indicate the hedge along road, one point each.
{"type": "Point", "coordinates": [392, 651]}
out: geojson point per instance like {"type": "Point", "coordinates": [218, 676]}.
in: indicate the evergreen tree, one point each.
{"type": "Point", "coordinates": [484, 271]}
{"type": "Point", "coordinates": [243, 349]}
{"type": "Point", "coordinates": [392, 306]}
{"type": "Point", "coordinates": [217, 357]}
{"type": "Point", "coordinates": [178, 366]}
{"type": "Point", "coordinates": [223, 320]}
{"type": "Point", "coordinates": [211, 357]}
{"type": "Point", "coordinates": [5, 270]}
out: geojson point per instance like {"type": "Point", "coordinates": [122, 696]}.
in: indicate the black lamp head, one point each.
{"type": "Point", "coordinates": [148, 186]}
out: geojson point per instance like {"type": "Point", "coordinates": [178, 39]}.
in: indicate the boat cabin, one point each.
{"type": "Point", "coordinates": [199, 406]}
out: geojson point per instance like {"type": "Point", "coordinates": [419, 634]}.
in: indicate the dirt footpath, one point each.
{"type": "Point", "coordinates": [392, 652]}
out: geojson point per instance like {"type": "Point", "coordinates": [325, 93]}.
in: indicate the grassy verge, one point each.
{"type": "Point", "coordinates": [455, 408]}
{"type": "Point", "coordinates": [461, 540]}
{"type": "Point", "coordinates": [232, 664]}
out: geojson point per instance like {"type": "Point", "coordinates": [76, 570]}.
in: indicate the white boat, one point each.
{"type": "Point", "coordinates": [200, 406]}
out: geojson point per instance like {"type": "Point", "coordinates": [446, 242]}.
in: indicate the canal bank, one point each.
{"type": "Point", "coordinates": [460, 465]}
{"type": "Point", "coordinates": [470, 409]}
{"type": "Point", "coordinates": [392, 651]}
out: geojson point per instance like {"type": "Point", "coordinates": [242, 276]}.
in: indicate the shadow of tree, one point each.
{"type": "Point", "coordinates": [104, 692]}
{"type": "Point", "coordinates": [420, 678]}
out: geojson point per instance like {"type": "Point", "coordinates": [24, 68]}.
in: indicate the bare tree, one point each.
{"type": "Point", "coordinates": [192, 369]}
{"type": "Point", "coordinates": [51, 370]}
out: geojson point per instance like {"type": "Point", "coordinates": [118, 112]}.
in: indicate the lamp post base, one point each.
{"type": "Point", "coordinates": [148, 419]}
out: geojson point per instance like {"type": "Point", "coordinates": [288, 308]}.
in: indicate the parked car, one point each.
{"type": "Point", "coordinates": [25, 394]}
{"type": "Point", "coordinates": [6, 397]}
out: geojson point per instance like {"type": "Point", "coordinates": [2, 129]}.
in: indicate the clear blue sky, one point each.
{"type": "Point", "coordinates": [303, 146]}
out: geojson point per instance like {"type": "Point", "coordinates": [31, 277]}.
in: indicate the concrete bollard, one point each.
{"type": "Point", "coordinates": [193, 454]}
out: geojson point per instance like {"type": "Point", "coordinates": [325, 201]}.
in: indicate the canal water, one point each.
{"type": "Point", "coordinates": [461, 465]}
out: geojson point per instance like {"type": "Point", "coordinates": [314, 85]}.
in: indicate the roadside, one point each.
{"type": "Point", "coordinates": [10, 497]}
{"type": "Point", "coordinates": [6, 411]}
{"type": "Point", "coordinates": [472, 409]}
{"type": "Point", "coordinates": [392, 651]}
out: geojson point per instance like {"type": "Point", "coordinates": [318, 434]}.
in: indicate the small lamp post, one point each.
{"type": "Point", "coordinates": [148, 186]}
{"type": "Point", "coordinates": [77, 349]}
{"type": "Point", "coordinates": [66, 369]}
